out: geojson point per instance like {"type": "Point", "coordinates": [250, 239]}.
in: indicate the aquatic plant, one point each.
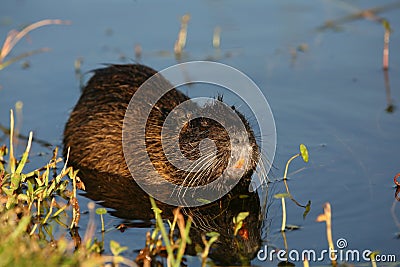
{"type": "Point", "coordinates": [173, 248]}
{"type": "Point", "coordinates": [36, 207]}
{"type": "Point", "coordinates": [304, 155]}
{"type": "Point", "coordinates": [213, 237]}
{"type": "Point", "coordinates": [181, 40]}
{"type": "Point", "coordinates": [14, 36]}
{"type": "Point", "coordinates": [101, 212]}
{"type": "Point", "coordinates": [326, 217]}
{"type": "Point", "coordinates": [282, 196]}
{"type": "Point", "coordinates": [386, 37]}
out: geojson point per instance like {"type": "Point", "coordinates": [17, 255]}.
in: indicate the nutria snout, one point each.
{"type": "Point", "coordinates": [94, 131]}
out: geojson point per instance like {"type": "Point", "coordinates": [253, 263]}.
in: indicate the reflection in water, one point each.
{"type": "Point", "coordinates": [390, 106]}
{"type": "Point", "coordinates": [130, 202]}
{"type": "Point", "coordinates": [397, 182]}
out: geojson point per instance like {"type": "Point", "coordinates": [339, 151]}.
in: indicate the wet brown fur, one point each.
{"type": "Point", "coordinates": [94, 129]}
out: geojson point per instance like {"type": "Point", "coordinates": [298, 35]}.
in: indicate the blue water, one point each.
{"type": "Point", "coordinates": [331, 97]}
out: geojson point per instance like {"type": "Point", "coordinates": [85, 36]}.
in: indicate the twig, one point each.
{"type": "Point", "coordinates": [326, 217]}
{"type": "Point", "coordinates": [14, 36]}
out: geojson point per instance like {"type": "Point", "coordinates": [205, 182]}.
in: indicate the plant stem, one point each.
{"type": "Point", "coordinates": [283, 215]}
{"type": "Point", "coordinates": [328, 214]}
{"type": "Point", "coordinates": [160, 224]}
{"type": "Point", "coordinates": [12, 158]}
{"type": "Point", "coordinates": [285, 180]}
{"type": "Point", "coordinates": [287, 165]}
{"type": "Point", "coordinates": [386, 37]}
{"type": "Point", "coordinates": [14, 36]}
{"type": "Point", "coordinates": [102, 223]}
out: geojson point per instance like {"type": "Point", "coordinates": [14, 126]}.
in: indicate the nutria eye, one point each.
{"type": "Point", "coordinates": [235, 141]}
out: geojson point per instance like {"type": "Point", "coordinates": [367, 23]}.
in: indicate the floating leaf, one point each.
{"type": "Point", "coordinates": [101, 211]}
{"type": "Point", "coordinates": [281, 195]}
{"type": "Point", "coordinates": [307, 209]}
{"type": "Point", "coordinates": [292, 227]}
{"type": "Point", "coordinates": [304, 152]}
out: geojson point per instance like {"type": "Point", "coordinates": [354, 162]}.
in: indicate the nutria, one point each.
{"type": "Point", "coordinates": [94, 130]}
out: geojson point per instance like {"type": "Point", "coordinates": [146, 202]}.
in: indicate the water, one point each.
{"type": "Point", "coordinates": [331, 97]}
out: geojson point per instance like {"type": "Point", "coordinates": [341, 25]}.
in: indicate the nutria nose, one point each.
{"type": "Point", "coordinates": [239, 164]}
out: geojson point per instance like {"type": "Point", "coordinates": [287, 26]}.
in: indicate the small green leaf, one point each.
{"type": "Point", "coordinates": [203, 201]}
{"type": "Point", "coordinates": [30, 188]}
{"type": "Point", "coordinates": [304, 152]}
{"type": "Point", "coordinates": [307, 209]}
{"type": "Point", "coordinates": [39, 182]}
{"type": "Point", "coordinates": [240, 217]}
{"type": "Point", "coordinates": [8, 191]}
{"type": "Point", "coordinates": [11, 201]}
{"type": "Point", "coordinates": [116, 248]}
{"type": "Point", "coordinates": [212, 234]}
{"type": "Point", "coordinates": [213, 237]}
{"type": "Point", "coordinates": [39, 190]}
{"type": "Point", "coordinates": [15, 181]}
{"type": "Point", "coordinates": [386, 25]}
{"type": "Point", "coordinates": [212, 240]}
{"type": "Point", "coordinates": [23, 197]}
{"type": "Point", "coordinates": [22, 162]}
{"type": "Point", "coordinates": [281, 195]}
{"type": "Point", "coordinates": [101, 211]}
{"type": "Point", "coordinates": [238, 221]}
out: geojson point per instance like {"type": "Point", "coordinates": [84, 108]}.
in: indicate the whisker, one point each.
{"type": "Point", "coordinates": [188, 178]}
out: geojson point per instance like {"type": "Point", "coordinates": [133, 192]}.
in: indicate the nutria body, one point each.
{"type": "Point", "coordinates": [94, 131]}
